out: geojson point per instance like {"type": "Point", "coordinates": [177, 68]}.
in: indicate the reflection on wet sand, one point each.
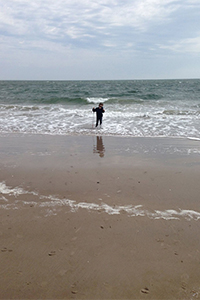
{"type": "Point", "coordinates": [99, 147]}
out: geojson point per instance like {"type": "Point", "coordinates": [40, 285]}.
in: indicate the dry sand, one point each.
{"type": "Point", "coordinates": [91, 217]}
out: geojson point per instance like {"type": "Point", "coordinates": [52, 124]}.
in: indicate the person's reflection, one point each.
{"type": "Point", "coordinates": [99, 148]}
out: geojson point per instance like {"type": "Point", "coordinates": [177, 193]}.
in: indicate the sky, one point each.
{"type": "Point", "coordinates": [99, 39]}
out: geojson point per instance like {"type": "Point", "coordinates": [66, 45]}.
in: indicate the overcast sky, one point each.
{"type": "Point", "coordinates": [99, 39]}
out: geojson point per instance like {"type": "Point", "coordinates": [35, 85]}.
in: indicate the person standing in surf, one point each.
{"type": "Point", "coordinates": [99, 113]}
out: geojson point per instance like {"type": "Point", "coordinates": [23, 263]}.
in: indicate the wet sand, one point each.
{"type": "Point", "coordinates": [92, 217]}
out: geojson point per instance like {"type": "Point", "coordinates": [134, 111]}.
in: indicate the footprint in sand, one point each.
{"type": "Point", "coordinates": [6, 250]}
{"type": "Point", "coordinates": [145, 290]}
{"type": "Point", "coordinates": [52, 253]}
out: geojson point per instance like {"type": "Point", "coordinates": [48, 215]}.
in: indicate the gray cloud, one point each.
{"type": "Point", "coordinates": [99, 31]}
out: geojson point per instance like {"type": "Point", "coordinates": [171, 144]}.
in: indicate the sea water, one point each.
{"type": "Point", "coordinates": [141, 108]}
{"type": "Point", "coordinates": [145, 108]}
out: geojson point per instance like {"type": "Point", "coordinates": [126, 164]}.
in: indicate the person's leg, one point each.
{"type": "Point", "coordinates": [97, 121]}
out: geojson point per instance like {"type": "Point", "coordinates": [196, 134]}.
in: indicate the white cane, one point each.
{"type": "Point", "coordinates": [93, 120]}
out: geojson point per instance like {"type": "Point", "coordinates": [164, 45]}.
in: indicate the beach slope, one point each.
{"type": "Point", "coordinates": [92, 217]}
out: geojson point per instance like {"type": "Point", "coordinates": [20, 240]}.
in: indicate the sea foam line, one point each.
{"type": "Point", "coordinates": [51, 202]}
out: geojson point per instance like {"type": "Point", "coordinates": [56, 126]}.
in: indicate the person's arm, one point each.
{"type": "Point", "coordinates": [94, 109]}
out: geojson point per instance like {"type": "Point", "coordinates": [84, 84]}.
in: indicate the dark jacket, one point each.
{"type": "Point", "coordinates": [99, 111]}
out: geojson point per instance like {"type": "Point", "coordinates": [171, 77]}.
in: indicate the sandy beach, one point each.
{"type": "Point", "coordinates": [99, 217]}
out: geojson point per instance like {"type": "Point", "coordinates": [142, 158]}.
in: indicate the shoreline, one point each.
{"type": "Point", "coordinates": [92, 217]}
{"type": "Point", "coordinates": [98, 131]}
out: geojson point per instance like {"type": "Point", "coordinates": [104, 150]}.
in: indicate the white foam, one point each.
{"type": "Point", "coordinates": [11, 191]}
{"type": "Point", "coordinates": [148, 119]}
{"type": "Point", "coordinates": [50, 203]}
{"type": "Point", "coordinates": [193, 138]}
{"type": "Point", "coordinates": [3, 198]}
{"type": "Point", "coordinates": [97, 100]}
{"type": "Point", "coordinates": [130, 210]}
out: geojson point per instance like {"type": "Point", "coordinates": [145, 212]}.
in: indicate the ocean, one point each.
{"type": "Point", "coordinates": [138, 108]}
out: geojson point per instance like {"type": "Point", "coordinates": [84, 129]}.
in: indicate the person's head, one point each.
{"type": "Point", "coordinates": [100, 104]}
